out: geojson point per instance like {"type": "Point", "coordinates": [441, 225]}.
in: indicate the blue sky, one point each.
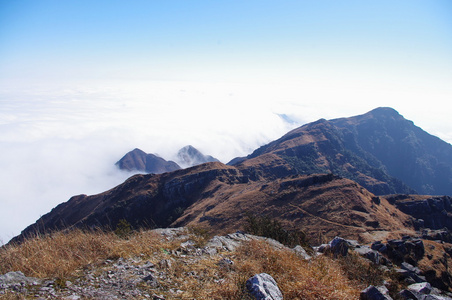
{"type": "Point", "coordinates": [83, 82]}
{"type": "Point", "coordinates": [223, 40]}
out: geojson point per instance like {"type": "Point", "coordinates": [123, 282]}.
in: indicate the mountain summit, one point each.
{"type": "Point", "coordinates": [380, 150]}
{"type": "Point", "coordinates": [189, 156]}
{"type": "Point", "coordinates": [138, 160]}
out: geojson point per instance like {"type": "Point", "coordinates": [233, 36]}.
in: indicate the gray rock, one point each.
{"type": "Point", "coordinates": [301, 252]}
{"type": "Point", "coordinates": [151, 280]}
{"type": "Point", "coordinates": [410, 268]}
{"type": "Point", "coordinates": [422, 287]}
{"type": "Point", "coordinates": [374, 293]}
{"type": "Point", "coordinates": [263, 287]}
{"type": "Point", "coordinates": [12, 278]}
{"type": "Point", "coordinates": [370, 254]}
{"type": "Point", "coordinates": [339, 246]}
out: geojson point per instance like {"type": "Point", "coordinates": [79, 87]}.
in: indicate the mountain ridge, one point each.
{"type": "Point", "coordinates": [364, 148]}
{"type": "Point", "coordinates": [319, 177]}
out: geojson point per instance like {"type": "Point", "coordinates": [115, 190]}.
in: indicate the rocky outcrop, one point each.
{"type": "Point", "coordinates": [434, 212]}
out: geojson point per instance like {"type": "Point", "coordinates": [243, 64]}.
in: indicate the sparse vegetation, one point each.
{"type": "Point", "coordinates": [67, 255]}
{"type": "Point", "coordinates": [123, 229]}
{"type": "Point", "coordinates": [272, 228]}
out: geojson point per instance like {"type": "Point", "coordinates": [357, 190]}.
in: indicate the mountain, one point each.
{"type": "Point", "coordinates": [322, 177]}
{"type": "Point", "coordinates": [380, 150]}
{"type": "Point", "coordinates": [138, 160]}
{"type": "Point", "coordinates": [190, 156]}
{"type": "Point", "coordinates": [221, 197]}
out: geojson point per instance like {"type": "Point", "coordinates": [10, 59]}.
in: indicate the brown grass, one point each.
{"type": "Point", "coordinates": [62, 255]}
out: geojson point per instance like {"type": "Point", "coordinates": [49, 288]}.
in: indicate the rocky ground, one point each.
{"type": "Point", "coordinates": [144, 277]}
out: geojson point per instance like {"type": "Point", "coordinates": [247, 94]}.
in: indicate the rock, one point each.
{"type": "Point", "coordinates": [151, 280]}
{"type": "Point", "coordinates": [165, 264]}
{"type": "Point", "coordinates": [263, 287]}
{"type": "Point", "coordinates": [223, 242]}
{"type": "Point", "coordinates": [226, 262]}
{"type": "Point", "coordinates": [374, 293]}
{"type": "Point", "coordinates": [301, 252]}
{"type": "Point", "coordinates": [421, 288]}
{"type": "Point", "coordinates": [439, 235]}
{"type": "Point", "coordinates": [12, 278]}
{"type": "Point", "coordinates": [377, 245]}
{"type": "Point", "coordinates": [370, 254]}
{"type": "Point", "coordinates": [339, 246]}
{"type": "Point", "coordinates": [410, 268]}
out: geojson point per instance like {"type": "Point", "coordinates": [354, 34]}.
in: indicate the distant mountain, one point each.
{"type": "Point", "coordinates": [380, 150]}
{"type": "Point", "coordinates": [190, 156]}
{"type": "Point", "coordinates": [138, 160]}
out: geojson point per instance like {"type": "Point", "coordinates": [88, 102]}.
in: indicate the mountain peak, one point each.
{"type": "Point", "coordinates": [385, 112]}
{"type": "Point", "coordinates": [189, 156]}
{"type": "Point", "coordinates": [138, 160]}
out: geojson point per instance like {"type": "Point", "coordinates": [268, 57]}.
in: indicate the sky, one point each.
{"type": "Point", "coordinates": [83, 82]}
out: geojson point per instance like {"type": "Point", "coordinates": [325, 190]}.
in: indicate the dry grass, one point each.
{"type": "Point", "coordinates": [63, 255]}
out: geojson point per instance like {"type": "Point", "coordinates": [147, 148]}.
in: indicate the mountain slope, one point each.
{"type": "Point", "coordinates": [421, 160]}
{"type": "Point", "coordinates": [138, 160]}
{"type": "Point", "coordinates": [380, 150]}
{"type": "Point", "coordinates": [283, 180]}
{"type": "Point", "coordinates": [221, 196]}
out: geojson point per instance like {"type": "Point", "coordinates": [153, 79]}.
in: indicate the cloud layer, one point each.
{"type": "Point", "coordinates": [62, 141]}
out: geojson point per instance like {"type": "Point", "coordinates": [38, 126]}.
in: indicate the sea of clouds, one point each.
{"type": "Point", "coordinates": [60, 141]}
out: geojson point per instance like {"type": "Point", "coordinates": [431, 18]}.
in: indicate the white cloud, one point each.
{"type": "Point", "coordinates": [62, 141]}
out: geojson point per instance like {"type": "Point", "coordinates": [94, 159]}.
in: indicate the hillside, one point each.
{"type": "Point", "coordinates": [380, 150]}
{"type": "Point", "coordinates": [320, 178]}
{"type": "Point", "coordinates": [220, 197]}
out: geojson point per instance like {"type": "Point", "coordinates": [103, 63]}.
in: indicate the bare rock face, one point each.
{"type": "Point", "coordinates": [435, 212]}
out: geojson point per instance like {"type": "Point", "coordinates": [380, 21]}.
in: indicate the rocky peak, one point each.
{"type": "Point", "coordinates": [189, 156]}
{"type": "Point", "coordinates": [138, 160]}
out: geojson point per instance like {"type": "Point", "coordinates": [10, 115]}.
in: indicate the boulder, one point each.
{"type": "Point", "coordinates": [421, 288]}
{"type": "Point", "coordinates": [301, 252]}
{"type": "Point", "coordinates": [370, 254]}
{"type": "Point", "coordinates": [339, 246]}
{"type": "Point", "coordinates": [374, 293]}
{"type": "Point", "coordinates": [263, 287]}
{"type": "Point", "coordinates": [17, 278]}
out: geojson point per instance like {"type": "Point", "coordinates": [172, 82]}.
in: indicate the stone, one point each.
{"type": "Point", "coordinates": [339, 246]}
{"type": "Point", "coordinates": [263, 287]}
{"type": "Point", "coordinates": [151, 280]}
{"type": "Point", "coordinates": [377, 245]}
{"type": "Point", "coordinates": [370, 254]}
{"type": "Point", "coordinates": [422, 287]}
{"type": "Point", "coordinates": [410, 268]}
{"type": "Point", "coordinates": [18, 277]}
{"type": "Point", "coordinates": [374, 293]}
{"type": "Point", "coordinates": [301, 252]}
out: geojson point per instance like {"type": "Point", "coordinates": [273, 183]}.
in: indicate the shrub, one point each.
{"type": "Point", "coordinates": [271, 228]}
